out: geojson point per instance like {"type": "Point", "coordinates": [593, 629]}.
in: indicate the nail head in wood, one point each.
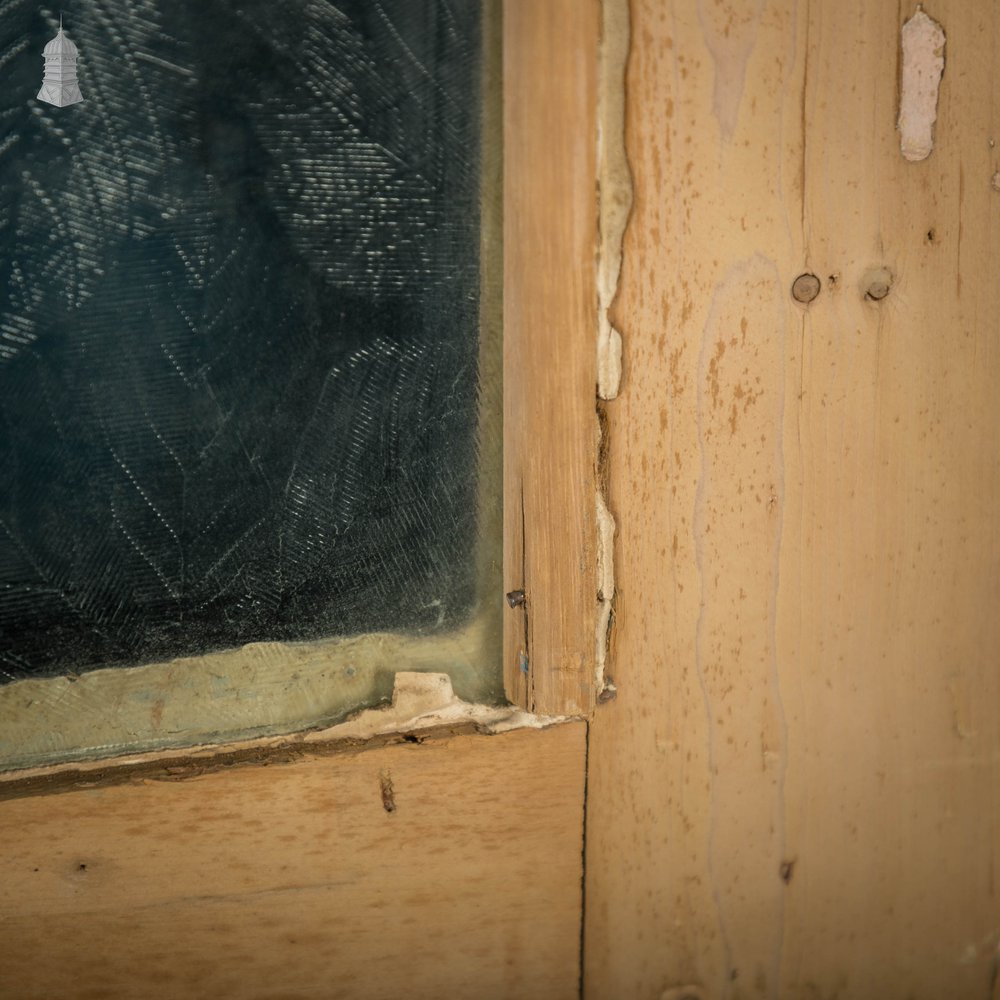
{"type": "Point", "coordinates": [516, 599]}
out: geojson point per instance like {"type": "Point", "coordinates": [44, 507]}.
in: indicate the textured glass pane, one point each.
{"type": "Point", "coordinates": [248, 366]}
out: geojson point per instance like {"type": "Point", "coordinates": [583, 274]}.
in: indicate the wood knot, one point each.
{"type": "Point", "coordinates": [805, 288]}
{"type": "Point", "coordinates": [876, 284]}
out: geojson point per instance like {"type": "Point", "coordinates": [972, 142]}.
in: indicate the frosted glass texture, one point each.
{"type": "Point", "coordinates": [241, 355]}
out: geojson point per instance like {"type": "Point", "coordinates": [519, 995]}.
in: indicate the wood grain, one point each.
{"type": "Point", "coordinates": [795, 793]}
{"type": "Point", "coordinates": [550, 330]}
{"type": "Point", "coordinates": [295, 881]}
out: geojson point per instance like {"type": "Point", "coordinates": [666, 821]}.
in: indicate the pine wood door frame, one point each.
{"type": "Point", "coordinates": [551, 429]}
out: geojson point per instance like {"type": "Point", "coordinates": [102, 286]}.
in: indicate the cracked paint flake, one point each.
{"type": "Point", "coordinates": [615, 186]}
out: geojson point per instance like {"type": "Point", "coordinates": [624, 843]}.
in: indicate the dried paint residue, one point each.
{"type": "Point", "coordinates": [922, 40]}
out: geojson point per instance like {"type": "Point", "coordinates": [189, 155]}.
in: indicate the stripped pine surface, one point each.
{"type": "Point", "coordinates": [550, 368]}
{"type": "Point", "coordinates": [794, 793]}
{"type": "Point", "coordinates": [446, 868]}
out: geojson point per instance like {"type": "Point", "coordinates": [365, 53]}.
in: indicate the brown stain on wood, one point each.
{"type": "Point", "coordinates": [388, 793]}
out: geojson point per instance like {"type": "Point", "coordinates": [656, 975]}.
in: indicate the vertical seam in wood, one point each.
{"type": "Point", "coordinates": [524, 659]}
{"type": "Point", "coordinates": [583, 863]}
{"type": "Point", "coordinates": [606, 527]}
{"type": "Point", "coordinates": [803, 120]}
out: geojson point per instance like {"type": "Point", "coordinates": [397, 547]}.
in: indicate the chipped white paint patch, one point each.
{"type": "Point", "coordinates": [615, 189]}
{"type": "Point", "coordinates": [423, 701]}
{"type": "Point", "coordinates": [922, 40]}
{"type": "Point", "coordinates": [615, 197]}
